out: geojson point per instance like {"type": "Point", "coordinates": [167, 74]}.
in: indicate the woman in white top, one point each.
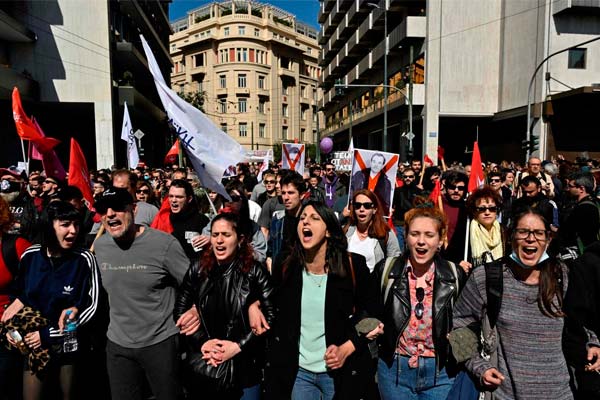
{"type": "Point", "coordinates": [367, 232]}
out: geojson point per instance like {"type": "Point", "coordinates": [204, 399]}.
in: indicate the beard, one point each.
{"type": "Point", "coordinates": [10, 197]}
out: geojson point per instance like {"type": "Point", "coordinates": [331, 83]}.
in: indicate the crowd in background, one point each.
{"type": "Point", "coordinates": [289, 287]}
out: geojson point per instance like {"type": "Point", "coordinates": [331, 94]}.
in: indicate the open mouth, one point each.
{"type": "Point", "coordinates": [113, 223]}
{"type": "Point", "coordinates": [529, 250]}
{"type": "Point", "coordinates": [307, 234]}
{"type": "Point", "coordinates": [421, 252]}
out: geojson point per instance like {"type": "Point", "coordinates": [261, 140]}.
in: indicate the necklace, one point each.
{"type": "Point", "coordinates": [318, 282]}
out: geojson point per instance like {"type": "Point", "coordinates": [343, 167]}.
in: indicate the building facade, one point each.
{"type": "Point", "coordinates": [471, 67]}
{"type": "Point", "coordinates": [75, 64]}
{"type": "Point", "coordinates": [254, 69]}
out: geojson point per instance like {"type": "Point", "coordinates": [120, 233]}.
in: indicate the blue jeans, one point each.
{"type": "Point", "coordinates": [251, 393]}
{"type": "Point", "coordinates": [400, 382]}
{"type": "Point", "coordinates": [312, 386]}
{"type": "Point", "coordinates": [400, 235]}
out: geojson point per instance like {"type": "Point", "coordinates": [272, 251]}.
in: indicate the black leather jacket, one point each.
{"type": "Point", "coordinates": [240, 290]}
{"type": "Point", "coordinates": [396, 310]}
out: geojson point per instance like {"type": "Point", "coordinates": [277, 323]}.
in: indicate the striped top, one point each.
{"type": "Point", "coordinates": [529, 351]}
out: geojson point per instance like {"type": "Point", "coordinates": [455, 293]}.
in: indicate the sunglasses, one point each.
{"type": "Point", "coordinates": [102, 209]}
{"type": "Point", "coordinates": [408, 176]}
{"type": "Point", "coordinates": [420, 308]}
{"type": "Point", "coordinates": [484, 209]}
{"type": "Point", "coordinates": [495, 180]}
{"type": "Point", "coordinates": [329, 169]}
{"type": "Point", "coordinates": [49, 181]}
{"type": "Point", "coordinates": [270, 182]}
{"type": "Point", "coordinates": [460, 188]}
{"type": "Point", "coordinates": [358, 205]}
{"type": "Point", "coordinates": [144, 191]}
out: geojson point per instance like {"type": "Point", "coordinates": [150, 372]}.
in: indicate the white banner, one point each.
{"type": "Point", "coordinates": [210, 149]}
{"type": "Point", "coordinates": [292, 157]}
{"type": "Point", "coordinates": [133, 158]}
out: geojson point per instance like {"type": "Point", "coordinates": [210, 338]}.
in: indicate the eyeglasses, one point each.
{"type": "Point", "coordinates": [460, 188]}
{"type": "Point", "coordinates": [102, 209]}
{"type": "Point", "coordinates": [484, 209]}
{"type": "Point", "coordinates": [329, 169]}
{"type": "Point", "coordinates": [420, 308]}
{"type": "Point", "coordinates": [358, 205]}
{"type": "Point", "coordinates": [408, 176]}
{"type": "Point", "coordinates": [270, 182]}
{"type": "Point", "coordinates": [495, 180]}
{"type": "Point", "coordinates": [144, 191]}
{"type": "Point", "coordinates": [538, 234]}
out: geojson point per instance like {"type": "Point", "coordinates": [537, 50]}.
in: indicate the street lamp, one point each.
{"type": "Point", "coordinates": [385, 73]}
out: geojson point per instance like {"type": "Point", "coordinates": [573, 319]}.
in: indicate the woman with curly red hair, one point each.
{"type": "Point", "coordinates": [367, 232]}
{"type": "Point", "coordinates": [222, 285]}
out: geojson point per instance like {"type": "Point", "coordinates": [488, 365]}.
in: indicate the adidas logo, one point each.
{"type": "Point", "coordinates": [67, 289]}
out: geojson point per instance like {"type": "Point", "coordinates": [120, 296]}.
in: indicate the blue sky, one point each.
{"type": "Point", "coordinates": [304, 10]}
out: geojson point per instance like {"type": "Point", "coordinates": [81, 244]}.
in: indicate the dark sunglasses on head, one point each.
{"type": "Point", "coordinates": [357, 205]}
{"type": "Point", "coordinates": [484, 209]}
{"type": "Point", "coordinates": [420, 308]}
{"type": "Point", "coordinates": [455, 187]}
{"type": "Point", "coordinates": [144, 191]}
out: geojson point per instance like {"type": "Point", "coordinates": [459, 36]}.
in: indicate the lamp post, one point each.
{"type": "Point", "coordinates": [385, 72]}
{"type": "Point", "coordinates": [529, 122]}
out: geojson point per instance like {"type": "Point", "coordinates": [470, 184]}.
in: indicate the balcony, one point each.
{"type": "Point", "coordinates": [286, 72]}
{"type": "Point", "coordinates": [12, 30]}
{"type": "Point", "coordinates": [412, 27]}
{"type": "Point", "coordinates": [576, 7]}
{"type": "Point", "coordinates": [9, 78]}
{"type": "Point", "coordinates": [137, 100]}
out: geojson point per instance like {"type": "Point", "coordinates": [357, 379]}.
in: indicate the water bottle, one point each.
{"type": "Point", "coordinates": [70, 334]}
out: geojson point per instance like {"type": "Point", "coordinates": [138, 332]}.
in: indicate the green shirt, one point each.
{"type": "Point", "coordinates": [312, 323]}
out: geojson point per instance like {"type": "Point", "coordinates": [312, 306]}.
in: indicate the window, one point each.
{"type": "Point", "coordinates": [243, 129]}
{"type": "Point", "coordinates": [261, 106]}
{"type": "Point", "coordinates": [199, 60]}
{"type": "Point", "coordinates": [303, 114]}
{"type": "Point", "coordinates": [261, 82]}
{"type": "Point", "coordinates": [256, 32]}
{"type": "Point", "coordinates": [242, 103]}
{"type": "Point", "coordinates": [284, 110]}
{"type": "Point", "coordinates": [285, 62]}
{"type": "Point", "coordinates": [284, 90]}
{"type": "Point", "coordinates": [224, 55]}
{"type": "Point", "coordinates": [223, 106]}
{"type": "Point", "coordinates": [261, 130]}
{"type": "Point", "coordinates": [222, 81]}
{"type": "Point", "coordinates": [314, 114]}
{"type": "Point", "coordinates": [241, 54]}
{"type": "Point", "coordinates": [226, 31]}
{"type": "Point", "coordinates": [242, 30]}
{"type": "Point", "coordinates": [577, 58]}
{"type": "Point", "coordinates": [242, 80]}
{"type": "Point", "coordinates": [303, 91]}
{"type": "Point", "coordinates": [224, 127]}
{"type": "Point", "coordinates": [302, 133]}
{"type": "Point", "coordinates": [284, 132]}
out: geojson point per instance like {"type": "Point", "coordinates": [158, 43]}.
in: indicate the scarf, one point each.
{"type": "Point", "coordinates": [485, 243]}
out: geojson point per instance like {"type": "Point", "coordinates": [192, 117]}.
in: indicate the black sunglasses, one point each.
{"type": "Point", "coordinates": [49, 181]}
{"type": "Point", "coordinates": [484, 209]}
{"type": "Point", "coordinates": [495, 180]}
{"type": "Point", "coordinates": [454, 187]}
{"type": "Point", "coordinates": [102, 209]}
{"type": "Point", "coordinates": [420, 308]}
{"type": "Point", "coordinates": [270, 182]}
{"type": "Point", "coordinates": [144, 191]}
{"type": "Point", "coordinates": [408, 176]}
{"type": "Point", "coordinates": [357, 205]}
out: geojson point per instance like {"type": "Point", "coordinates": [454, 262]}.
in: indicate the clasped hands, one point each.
{"type": "Point", "coordinates": [217, 351]}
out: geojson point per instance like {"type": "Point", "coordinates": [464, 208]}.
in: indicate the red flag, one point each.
{"type": "Point", "coordinates": [427, 160]}
{"type": "Point", "coordinates": [173, 154]}
{"type": "Point", "coordinates": [441, 153]}
{"type": "Point", "coordinates": [25, 127]}
{"type": "Point", "coordinates": [50, 160]}
{"type": "Point", "coordinates": [79, 175]}
{"type": "Point", "coordinates": [436, 193]}
{"type": "Point", "coordinates": [476, 179]}
{"type": "Point", "coordinates": [162, 221]}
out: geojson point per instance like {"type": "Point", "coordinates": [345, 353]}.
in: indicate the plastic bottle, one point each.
{"type": "Point", "coordinates": [70, 335]}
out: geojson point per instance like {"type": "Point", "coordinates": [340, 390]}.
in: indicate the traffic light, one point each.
{"type": "Point", "coordinates": [535, 143]}
{"type": "Point", "coordinates": [525, 144]}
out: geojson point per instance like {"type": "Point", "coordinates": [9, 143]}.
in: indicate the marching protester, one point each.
{"type": "Point", "coordinates": [506, 197]}
{"type": "Point", "coordinates": [523, 298]}
{"type": "Point", "coordinates": [367, 232]}
{"type": "Point", "coordinates": [418, 291]}
{"type": "Point", "coordinates": [453, 201]}
{"type": "Point", "coordinates": [145, 212]}
{"type": "Point", "coordinates": [332, 186]}
{"type": "Point", "coordinates": [60, 282]}
{"type": "Point", "coordinates": [222, 285]}
{"type": "Point", "coordinates": [322, 292]}
{"type": "Point", "coordinates": [144, 193]}
{"type": "Point", "coordinates": [13, 189]}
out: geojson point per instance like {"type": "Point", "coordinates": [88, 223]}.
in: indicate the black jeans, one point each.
{"type": "Point", "coordinates": [128, 370]}
{"type": "Point", "coordinates": [11, 374]}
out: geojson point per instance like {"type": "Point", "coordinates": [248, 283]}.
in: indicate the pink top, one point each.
{"type": "Point", "coordinates": [417, 339]}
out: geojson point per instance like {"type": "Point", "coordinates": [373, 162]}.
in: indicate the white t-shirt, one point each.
{"type": "Point", "coordinates": [364, 247]}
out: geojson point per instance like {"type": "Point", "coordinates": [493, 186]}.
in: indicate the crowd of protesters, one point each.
{"type": "Point", "coordinates": [285, 286]}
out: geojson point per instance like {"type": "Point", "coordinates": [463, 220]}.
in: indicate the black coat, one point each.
{"type": "Point", "coordinates": [346, 303]}
{"type": "Point", "coordinates": [238, 290]}
{"type": "Point", "coordinates": [395, 313]}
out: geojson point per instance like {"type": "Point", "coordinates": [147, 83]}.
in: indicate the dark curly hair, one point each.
{"type": "Point", "coordinates": [337, 260]}
{"type": "Point", "coordinates": [484, 192]}
{"type": "Point", "coordinates": [245, 251]}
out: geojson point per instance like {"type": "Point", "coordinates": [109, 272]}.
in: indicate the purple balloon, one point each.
{"type": "Point", "coordinates": [326, 145]}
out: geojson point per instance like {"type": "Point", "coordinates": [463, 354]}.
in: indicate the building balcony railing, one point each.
{"type": "Point", "coordinates": [576, 7]}
{"type": "Point", "coordinates": [286, 72]}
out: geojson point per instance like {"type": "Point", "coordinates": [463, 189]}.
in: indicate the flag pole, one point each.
{"type": "Point", "coordinates": [24, 156]}
{"type": "Point", "coordinates": [467, 239]}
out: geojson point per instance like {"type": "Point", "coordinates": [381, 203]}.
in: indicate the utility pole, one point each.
{"type": "Point", "coordinates": [411, 71]}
